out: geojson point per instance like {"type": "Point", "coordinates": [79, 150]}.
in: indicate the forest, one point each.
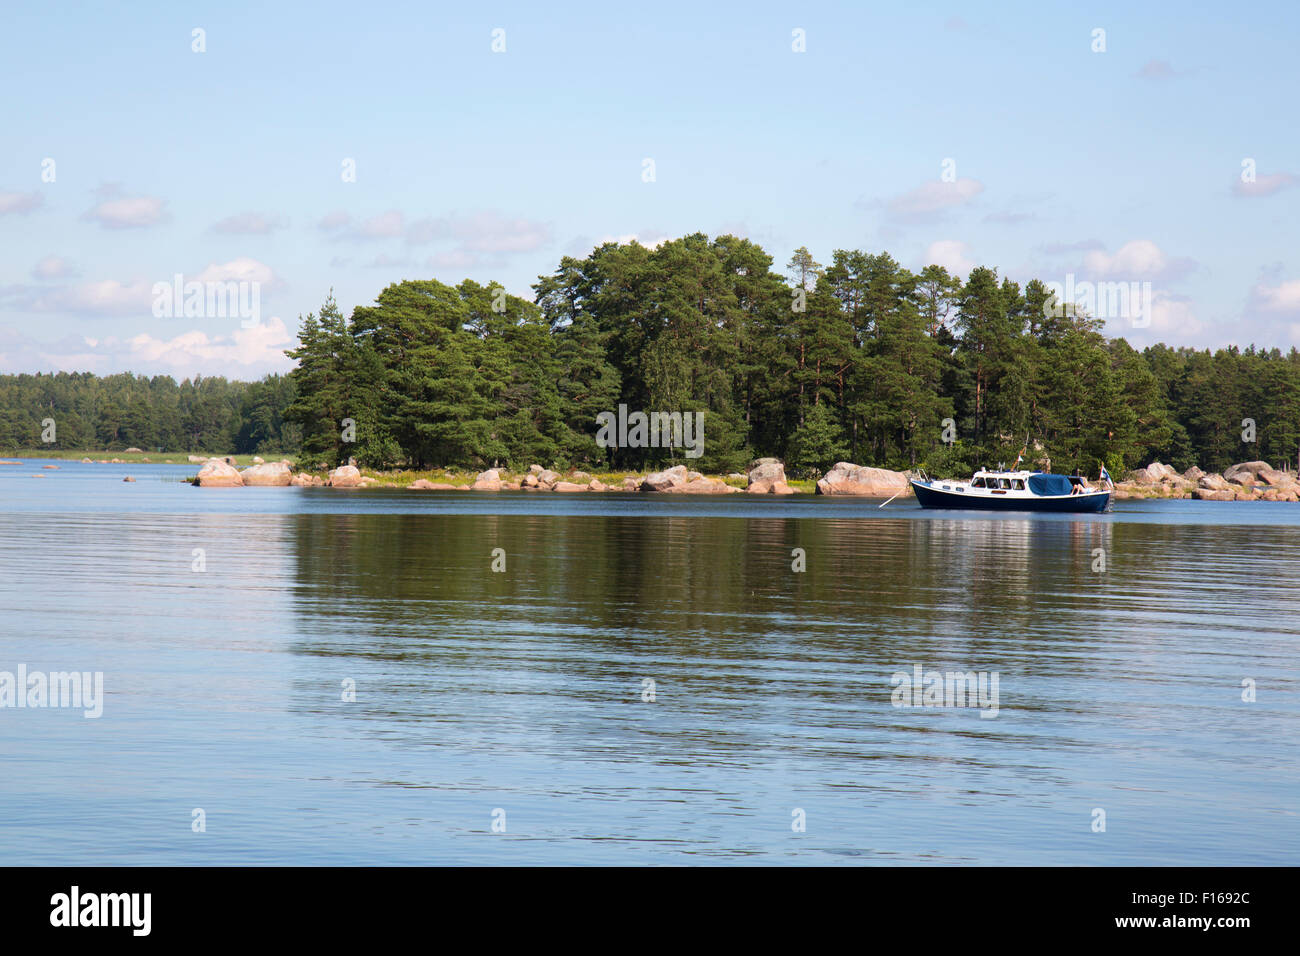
{"type": "Point", "coordinates": [859, 359]}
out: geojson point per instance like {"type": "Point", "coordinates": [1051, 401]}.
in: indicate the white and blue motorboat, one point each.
{"type": "Point", "coordinates": [1013, 491]}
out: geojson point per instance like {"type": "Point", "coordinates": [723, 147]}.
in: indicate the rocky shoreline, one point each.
{"type": "Point", "coordinates": [766, 476]}
{"type": "Point", "coordinates": [1247, 481]}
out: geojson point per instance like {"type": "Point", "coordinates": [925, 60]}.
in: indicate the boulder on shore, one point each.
{"type": "Point", "coordinates": [305, 480]}
{"type": "Point", "coordinates": [546, 479]}
{"type": "Point", "coordinates": [1153, 474]}
{"type": "Point", "coordinates": [489, 480]}
{"type": "Point", "coordinates": [665, 480]}
{"type": "Point", "coordinates": [1213, 483]}
{"type": "Point", "coordinates": [216, 473]}
{"type": "Point", "coordinates": [1209, 494]}
{"type": "Point", "coordinates": [344, 476]}
{"type": "Point", "coordinates": [137, 451]}
{"type": "Point", "coordinates": [424, 484]}
{"type": "Point", "coordinates": [1249, 472]}
{"type": "Point", "coordinates": [277, 474]}
{"type": "Point", "coordinates": [568, 486]}
{"type": "Point", "coordinates": [847, 478]}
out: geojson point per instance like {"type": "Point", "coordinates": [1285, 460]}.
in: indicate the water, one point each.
{"type": "Point", "coordinates": [521, 691]}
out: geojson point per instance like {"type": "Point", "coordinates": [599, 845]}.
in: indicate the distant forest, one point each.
{"type": "Point", "coordinates": [858, 360]}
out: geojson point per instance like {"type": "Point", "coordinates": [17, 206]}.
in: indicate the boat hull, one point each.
{"type": "Point", "coordinates": [1093, 502]}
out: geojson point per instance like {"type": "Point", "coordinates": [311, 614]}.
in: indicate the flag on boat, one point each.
{"type": "Point", "coordinates": [1105, 476]}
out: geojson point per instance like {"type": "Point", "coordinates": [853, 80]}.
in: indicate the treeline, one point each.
{"type": "Point", "coordinates": [857, 360]}
{"type": "Point", "coordinates": [860, 360]}
{"type": "Point", "coordinates": [155, 414]}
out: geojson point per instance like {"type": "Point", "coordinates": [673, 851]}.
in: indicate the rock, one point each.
{"type": "Point", "coordinates": [50, 467]}
{"type": "Point", "coordinates": [631, 484]}
{"type": "Point", "coordinates": [665, 480]}
{"type": "Point", "coordinates": [1207, 494]}
{"type": "Point", "coordinates": [597, 485]}
{"type": "Point", "coordinates": [1193, 474]}
{"type": "Point", "coordinates": [491, 474]}
{"type": "Point", "coordinates": [277, 475]}
{"type": "Point", "coordinates": [535, 469]}
{"type": "Point", "coordinates": [510, 486]}
{"type": "Point", "coordinates": [424, 484]}
{"type": "Point", "coordinates": [546, 479]}
{"type": "Point", "coordinates": [1213, 483]}
{"type": "Point", "coordinates": [128, 478]}
{"type": "Point", "coordinates": [1249, 473]}
{"type": "Point", "coordinates": [1153, 474]}
{"type": "Point", "coordinates": [304, 481]}
{"type": "Point", "coordinates": [86, 461]}
{"type": "Point", "coordinates": [137, 451]}
{"type": "Point", "coordinates": [489, 480]}
{"type": "Point", "coordinates": [765, 471]}
{"type": "Point", "coordinates": [704, 486]}
{"type": "Point", "coordinates": [258, 461]}
{"type": "Point", "coordinates": [529, 481]}
{"type": "Point", "coordinates": [196, 459]}
{"type": "Point", "coordinates": [847, 478]}
{"type": "Point", "coordinates": [694, 476]}
{"type": "Point", "coordinates": [216, 473]}
{"type": "Point", "coordinates": [344, 476]}
{"type": "Point", "coordinates": [568, 486]}
{"type": "Point", "coordinates": [580, 476]}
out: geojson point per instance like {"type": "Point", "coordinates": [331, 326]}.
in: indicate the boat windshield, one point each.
{"type": "Point", "coordinates": [977, 483]}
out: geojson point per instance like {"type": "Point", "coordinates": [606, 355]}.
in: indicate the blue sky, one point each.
{"type": "Point", "coordinates": [227, 164]}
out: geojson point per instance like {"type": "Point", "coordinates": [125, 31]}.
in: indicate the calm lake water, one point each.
{"type": "Point", "coordinates": [517, 696]}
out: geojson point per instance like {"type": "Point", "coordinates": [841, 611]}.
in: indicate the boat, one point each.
{"type": "Point", "coordinates": [1013, 491]}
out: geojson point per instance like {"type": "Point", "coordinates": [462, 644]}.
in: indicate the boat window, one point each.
{"type": "Point", "coordinates": [977, 483]}
{"type": "Point", "coordinates": [1018, 484]}
{"type": "Point", "coordinates": [1003, 483]}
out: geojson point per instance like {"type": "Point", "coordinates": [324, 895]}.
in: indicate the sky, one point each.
{"type": "Point", "coordinates": [301, 148]}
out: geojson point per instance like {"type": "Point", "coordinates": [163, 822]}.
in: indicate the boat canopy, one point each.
{"type": "Point", "coordinates": [1049, 484]}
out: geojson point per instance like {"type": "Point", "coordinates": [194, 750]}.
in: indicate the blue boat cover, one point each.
{"type": "Point", "coordinates": [1049, 484]}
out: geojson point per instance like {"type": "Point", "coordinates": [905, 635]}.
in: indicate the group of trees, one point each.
{"type": "Point", "coordinates": [860, 359]}
{"type": "Point", "coordinates": [155, 414]}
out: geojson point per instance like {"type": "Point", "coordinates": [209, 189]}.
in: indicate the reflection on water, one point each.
{"type": "Point", "coordinates": [523, 690]}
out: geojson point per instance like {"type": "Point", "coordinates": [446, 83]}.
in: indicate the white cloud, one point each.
{"type": "Point", "coordinates": [387, 225]}
{"type": "Point", "coordinates": [1266, 185]}
{"type": "Point", "coordinates": [482, 232]}
{"type": "Point", "coordinates": [136, 212]}
{"type": "Point", "coordinates": [1283, 298]}
{"type": "Point", "coordinates": [1136, 259]}
{"type": "Point", "coordinates": [249, 224]}
{"type": "Point", "coordinates": [244, 354]}
{"type": "Point", "coordinates": [456, 259]}
{"type": "Point", "coordinates": [651, 240]}
{"type": "Point", "coordinates": [953, 254]}
{"type": "Point", "coordinates": [928, 202]}
{"type": "Point", "coordinates": [242, 269]}
{"type": "Point", "coordinates": [19, 204]}
{"type": "Point", "coordinates": [54, 267]}
{"type": "Point", "coordinates": [334, 220]}
{"type": "Point", "coordinates": [1157, 70]}
{"type": "Point", "coordinates": [100, 297]}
